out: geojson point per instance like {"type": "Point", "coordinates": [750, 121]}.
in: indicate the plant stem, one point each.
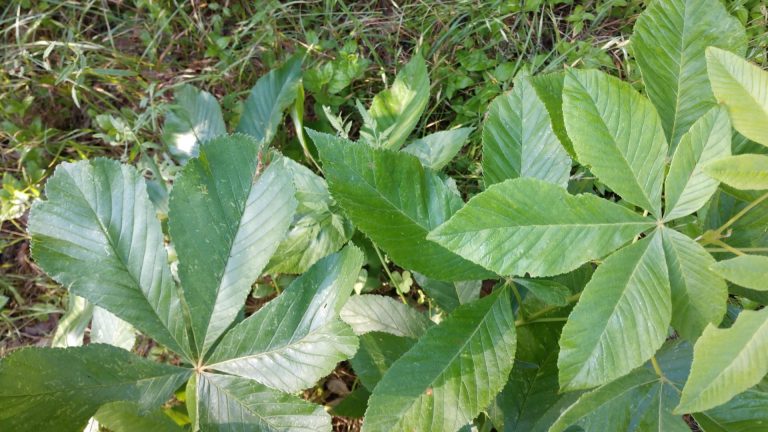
{"type": "Point", "coordinates": [729, 248]}
{"type": "Point", "coordinates": [745, 250]}
{"type": "Point", "coordinates": [743, 211]}
{"type": "Point", "coordinates": [519, 298]}
{"type": "Point", "coordinates": [389, 275]}
{"type": "Point", "coordinates": [520, 322]}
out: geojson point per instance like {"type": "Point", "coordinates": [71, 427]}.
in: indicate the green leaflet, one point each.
{"type": "Point", "coordinates": [437, 149]}
{"type": "Point", "coordinates": [109, 329]}
{"type": "Point", "coordinates": [451, 374]}
{"type": "Point", "coordinates": [45, 389]}
{"type": "Point", "coordinates": [741, 86]}
{"type": "Point", "coordinates": [538, 218]}
{"type": "Point", "coordinates": [194, 118]}
{"type": "Point", "coordinates": [71, 327]}
{"type": "Point", "coordinates": [368, 313]}
{"type": "Point", "coordinates": [397, 110]}
{"type": "Point", "coordinates": [376, 354]}
{"type": "Point", "coordinates": [726, 362]}
{"type": "Point", "coordinates": [749, 271]}
{"type": "Point", "coordinates": [617, 133]}
{"type": "Point", "coordinates": [395, 201]}
{"type": "Point", "coordinates": [519, 141]}
{"type": "Point", "coordinates": [621, 318]}
{"type": "Point", "coordinates": [531, 400]}
{"type": "Point", "coordinates": [549, 88]}
{"type": "Point", "coordinates": [268, 99]}
{"type": "Point", "coordinates": [226, 220]}
{"type": "Point", "coordinates": [127, 417]}
{"type": "Point", "coordinates": [297, 338]}
{"type": "Point", "coordinates": [449, 295]}
{"type": "Point", "coordinates": [549, 292]}
{"type": "Point", "coordinates": [318, 229]}
{"type": "Point", "coordinates": [699, 296]}
{"type": "Point", "coordinates": [749, 171]}
{"type": "Point", "coordinates": [744, 413]}
{"type": "Point", "coordinates": [687, 188]}
{"type": "Point", "coordinates": [233, 404]}
{"type": "Point", "coordinates": [639, 402]}
{"type": "Point", "coordinates": [98, 235]}
{"type": "Point", "coordinates": [669, 41]}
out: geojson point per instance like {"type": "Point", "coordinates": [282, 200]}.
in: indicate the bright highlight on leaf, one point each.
{"type": "Point", "coordinates": [520, 227]}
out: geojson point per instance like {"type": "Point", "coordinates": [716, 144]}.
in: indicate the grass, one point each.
{"type": "Point", "coordinates": [87, 78]}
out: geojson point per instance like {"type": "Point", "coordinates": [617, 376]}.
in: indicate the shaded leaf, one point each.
{"type": "Point", "coordinates": [376, 354]}
{"type": "Point", "coordinates": [395, 201]}
{"type": "Point", "coordinates": [549, 88]}
{"type": "Point", "coordinates": [451, 374]}
{"type": "Point", "coordinates": [60, 389]}
{"type": "Point", "coordinates": [549, 292]}
{"type": "Point", "coordinates": [449, 295]}
{"type": "Point", "coordinates": [127, 417]}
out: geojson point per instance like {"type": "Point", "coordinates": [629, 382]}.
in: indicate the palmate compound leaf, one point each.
{"type": "Point", "coordinates": [395, 201]}
{"type": "Point", "coordinates": [397, 109]}
{"type": "Point", "coordinates": [268, 99]}
{"type": "Point", "coordinates": [45, 389]}
{"type": "Point", "coordinates": [617, 133]}
{"type": "Point", "coordinates": [669, 41]}
{"type": "Point", "coordinates": [318, 228]}
{"type": "Point", "coordinates": [687, 188]}
{"type": "Point", "coordinates": [726, 362]}
{"type": "Point", "coordinates": [699, 295]}
{"type": "Point", "coordinates": [194, 118]}
{"type": "Point", "coordinates": [746, 172]}
{"type": "Point", "coordinates": [519, 140]}
{"type": "Point", "coordinates": [368, 313]}
{"type": "Point", "coordinates": [297, 338]}
{"type": "Point", "coordinates": [234, 404]}
{"type": "Point", "coordinates": [521, 226]}
{"type": "Point", "coordinates": [98, 235]}
{"type": "Point", "coordinates": [749, 271]}
{"type": "Point", "coordinates": [743, 88]}
{"type": "Point", "coordinates": [451, 374]}
{"type": "Point", "coordinates": [621, 318]}
{"type": "Point", "coordinates": [227, 216]}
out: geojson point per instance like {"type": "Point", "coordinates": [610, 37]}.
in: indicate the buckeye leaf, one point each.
{"type": "Point", "coordinates": [98, 235]}
{"type": "Point", "coordinates": [397, 109]}
{"type": "Point", "coordinates": [699, 295]}
{"type": "Point", "coordinates": [744, 413]}
{"type": "Point", "coordinates": [741, 86]}
{"type": "Point", "coordinates": [232, 404]}
{"type": "Point", "coordinates": [621, 318]}
{"type": "Point", "coordinates": [318, 229]}
{"type": "Point", "coordinates": [226, 219]}
{"type": "Point", "coordinates": [368, 313]}
{"type": "Point", "coordinates": [449, 295]}
{"type": "Point", "coordinates": [395, 201]}
{"type": "Point", "coordinates": [437, 149]}
{"type": "Point", "coordinates": [268, 99]}
{"type": "Point", "coordinates": [726, 362]}
{"type": "Point", "coordinates": [687, 187]}
{"type": "Point", "coordinates": [60, 389]}
{"type": "Point", "coordinates": [451, 374]}
{"type": "Point", "coordinates": [749, 171]}
{"type": "Point", "coordinates": [519, 141]}
{"type": "Point", "coordinates": [749, 271]}
{"type": "Point", "coordinates": [669, 41]}
{"type": "Point", "coordinates": [522, 226]}
{"type": "Point", "coordinates": [71, 326]}
{"type": "Point", "coordinates": [378, 351]}
{"type": "Point", "coordinates": [617, 133]}
{"type": "Point", "coordinates": [127, 417]}
{"type": "Point", "coordinates": [297, 338]}
{"type": "Point", "coordinates": [194, 118]}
